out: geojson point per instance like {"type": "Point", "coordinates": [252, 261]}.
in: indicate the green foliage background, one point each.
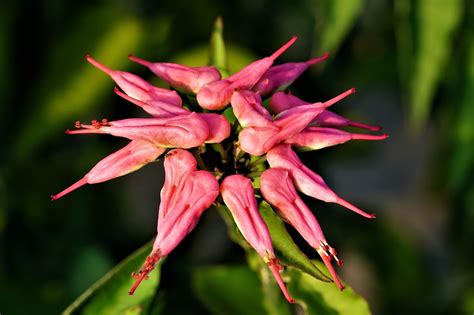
{"type": "Point", "coordinates": [412, 63]}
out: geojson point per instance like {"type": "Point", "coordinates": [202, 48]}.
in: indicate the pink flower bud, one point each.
{"type": "Point", "coordinates": [219, 127]}
{"type": "Point", "coordinates": [188, 193]}
{"type": "Point", "coordinates": [315, 138]}
{"type": "Point", "coordinates": [136, 87]}
{"type": "Point", "coordinates": [216, 95]}
{"type": "Point", "coordinates": [281, 101]}
{"type": "Point", "coordinates": [238, 194]}
{"type": "Point", "coordinates": [281, 76]}
{"type": "Point", "coordinates": [183, 131]}
{"type": "Point", "coordinates": [126, 160]}
{"type": "Point", "coordinates": [247, 107]}
{"type": "Point", "coordinates": [277, 188]}
{"type": "Point", "coordinates": [305, 180]}
{"type": "Point", "coordinates": [183, 78]}
{"type": "Point", "coordinates": [258, 140]}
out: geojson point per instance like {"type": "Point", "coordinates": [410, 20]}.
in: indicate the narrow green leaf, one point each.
{"type": "Point", "coordinates": [110, 295]}
{"type": "Point", "coordinates": [68, 93]}
{"type": "Point", "coordinates": [273, 299]}
{"type": "Point", "coordinates": [217, 50]}
{"type": "Point", "coordinates": [237, 57]}
{"type": "Point", "coordinates": [286, 249]}
{"type": "Point", "coordinates": [463, 157]}
{"type": "Point", "coordinates": [229, 290]}
{"type": "Point", "coordinates": [339, 17]}
{"type": "Point", "coordinates": [436, 23]}
{"type": "Point", "coordinates": [232, 230]}
{"type": "Point", "coordinates": [318, 297]}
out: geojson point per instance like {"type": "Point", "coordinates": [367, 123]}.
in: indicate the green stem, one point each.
{"type": "Point", "coordinates": [258, 161]}
{"type": "Point", "coordinates": [219, 148]}
{"type": "Point", "coordinates": [199, 161]}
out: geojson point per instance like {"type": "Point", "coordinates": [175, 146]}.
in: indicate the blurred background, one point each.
{"type": "Point", "coordinates": [412, 63]}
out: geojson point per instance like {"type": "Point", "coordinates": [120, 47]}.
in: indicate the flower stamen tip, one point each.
{"type": "Point", "coordinates": [143, 273]}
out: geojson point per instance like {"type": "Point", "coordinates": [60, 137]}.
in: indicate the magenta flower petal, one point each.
{"type": "Point", "coordinates": [183, 78]}
{"type": "Point", "coordinates": [247, 107]}
{"type": "Point", "coordinates": [277, 188]}
{"type": "Point", "coordinates": [189, 193]}
{"type": "Point", "coordinates": [136, 87]}
{"type": "Point", "coordinates": [178, 164]}
{"type": "Point", "coordinates": [308, 182]}
{"type": "Point", "coordinates": [281, 76]}
{"type": "Point", "coordinates": [237, 192]}
{"type": "Point", "coordinates": [216, 95]}
{"type": "Point", "coordinates": [315, 138]}
{"type": "Point", "coordinates": [281, 101]}
{"type": "Point", "coordinates": [183, 131]}
{"type": "Point", "coordinates": [258, 140]}
{"type": "Point", "coordinates": [126, 160]}
{"type": "Point", "coordinates": [155, 108]}
{"type": "Point", "coordinates": [219, 127]}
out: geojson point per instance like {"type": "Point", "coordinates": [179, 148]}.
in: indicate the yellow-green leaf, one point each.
{"type": "Point", "coordinates": [217, 50]}
{"type": "Point", "coordinates": [110, 295]}
{"type": "Point", "coordinates": [317, 297]}
{"type": "Point", "coordinates": [286, 249]}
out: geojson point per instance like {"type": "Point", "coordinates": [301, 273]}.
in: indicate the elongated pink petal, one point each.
{"type": "Point", "coordinates": [183, 78]}
{"type": "Point", "coordinates": [126, 160]}
{"type": "Point", "coordinates": [191, 193]}
{"type": "Point", "coordinates": [183, 131]}
{"type": "Point", "coordinates": [277, 188]}
{"type": "Point", "coordinates": [258, 140]}
{"type": "Point", "coordinates": [216, 95]}
{"type": "Point", "coordinates": [238, 194]}
{"type": "Point", "coordinates": [136, 87]}
{"type": "Point", "coordinates": [315, 138]}
{"type": "Point", "coordinates": [155, 108]}
{"type": "Point", "coordinates": [178, 164]}
{"type": "Point", "coordinates": [281, 76]}
{"type": "Point", "coordinates": [308, 182]}
{"type": "Point", "coordinates": [248, 109]}
{"type": "Point", "coordinates": [195, 195]}
{"type": "Point", "coordinates": [282, 101]}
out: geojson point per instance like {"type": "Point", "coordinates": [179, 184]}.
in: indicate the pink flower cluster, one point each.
{"type": "Point", "coordinates": [188, 120]}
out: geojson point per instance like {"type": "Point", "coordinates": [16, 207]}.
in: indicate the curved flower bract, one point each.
{"type": "Point", "coordinates": [251, 159]}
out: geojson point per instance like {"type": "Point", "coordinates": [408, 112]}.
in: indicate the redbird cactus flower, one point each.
{"type": "Point", "coordinates": [277, 188]}
{"type": "Point", "coordinates": [240, 146]}
{"type": "Point", "coordinates": [186, 193]}
{"type": "Point", "coordinates": [237, 193]}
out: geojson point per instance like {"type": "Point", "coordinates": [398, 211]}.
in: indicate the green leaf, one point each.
{"type": "Point", "coordinates": [110, 295]}
{"type": "Point", "coordinates": [339, 17]}
{"type": "Point", "coordinates": [429, 40]}
{"type": "Point", "coordinates": [232, 229]}
{"type": "Point", "coordinates": [229, 290]}
{"type": "Point", "coordinates": [217, 50]}
{"type": "Point", "coordinates": [66, 93]}
{"type": "Point", "coordinates": [273, 299]}
{"type": "Point", "coordinates": [463, 157]}
{"type": "Point", "coordinates": [318, 297]}
{"type": "Point", "coordinates": [285, 248]}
